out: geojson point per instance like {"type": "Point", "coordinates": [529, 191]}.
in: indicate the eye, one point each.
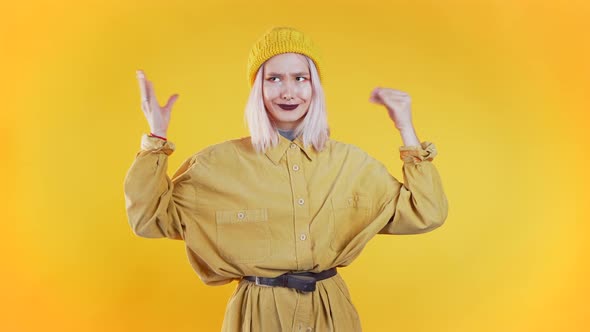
{"type": "Point", "coordinates": [302, 77]}
{"type": "Point", "coordinates": [270, 78]}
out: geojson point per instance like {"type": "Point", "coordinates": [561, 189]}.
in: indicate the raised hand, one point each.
{"type": "Point", "coordinates": [398, 104]}
{"type": "Point", "coordinates": [158, 116]}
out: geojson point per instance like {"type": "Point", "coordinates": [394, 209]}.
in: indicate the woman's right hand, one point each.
{"type": "Point", "coordinates": [158, 117]}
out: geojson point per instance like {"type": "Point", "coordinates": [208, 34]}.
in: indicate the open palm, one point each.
{"type": "Point", "coordinates": [158, 117]}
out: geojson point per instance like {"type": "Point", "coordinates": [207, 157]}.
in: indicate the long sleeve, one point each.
{"type": "Point", "coordinates": [420, 204]}
{"type": "Point", "coordinates": [156, 205]}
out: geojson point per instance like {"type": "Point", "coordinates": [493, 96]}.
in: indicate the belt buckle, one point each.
{"type": "Point", "coordinates": [257, 281]}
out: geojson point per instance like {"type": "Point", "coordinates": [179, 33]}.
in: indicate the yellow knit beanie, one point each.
{"type": "Point", "coordinates": [281, 40]}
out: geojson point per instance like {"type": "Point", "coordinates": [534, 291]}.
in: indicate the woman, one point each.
{"type": "Point", "coordinates": [280, 210]}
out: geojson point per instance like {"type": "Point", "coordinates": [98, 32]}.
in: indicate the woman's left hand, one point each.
{"type": "Point", "coordinates": [398, 104]}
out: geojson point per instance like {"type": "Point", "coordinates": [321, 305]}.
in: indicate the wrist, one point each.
{"type": "Point", "coordinates": [406, 129]}
{"type": "Point", "coordinates": [409, 137]}
{"type": "Point", "coordinates": [159, 135]}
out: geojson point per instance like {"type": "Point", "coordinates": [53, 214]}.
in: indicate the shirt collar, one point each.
{"type": "Point", "coordinates": [276, 153]}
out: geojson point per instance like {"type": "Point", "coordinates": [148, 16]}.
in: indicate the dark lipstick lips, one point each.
{"type": "Point", "coordinates": [288, 107]}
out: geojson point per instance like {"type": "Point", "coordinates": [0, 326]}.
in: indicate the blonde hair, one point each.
{"type": "Point", "coordinates": [314, 127]}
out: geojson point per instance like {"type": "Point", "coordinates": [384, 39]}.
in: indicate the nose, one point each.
{"type": "Point", "coordinates": [287, 93]}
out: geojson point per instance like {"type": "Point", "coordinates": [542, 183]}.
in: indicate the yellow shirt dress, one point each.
{"type": "Point", "coordinates": [290, 209]}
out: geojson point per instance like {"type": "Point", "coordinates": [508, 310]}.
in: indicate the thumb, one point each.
{"type": "Point", "coordinates": [171, 101]}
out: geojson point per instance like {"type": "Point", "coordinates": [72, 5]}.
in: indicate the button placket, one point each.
{"type": "Point", "coordinates": [301, 214]}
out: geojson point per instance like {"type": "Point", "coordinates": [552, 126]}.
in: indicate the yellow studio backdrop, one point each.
{"type": "Point", "coordinates": [501, 87]}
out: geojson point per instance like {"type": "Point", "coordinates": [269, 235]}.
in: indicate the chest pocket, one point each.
{"type": "Point", "coordinates": [243, 236]}
{"type": "Point", "coordinates": [350, 215]}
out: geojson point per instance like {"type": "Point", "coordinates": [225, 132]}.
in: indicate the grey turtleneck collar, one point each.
{"type": "Point", "coordinates": [288, 134]}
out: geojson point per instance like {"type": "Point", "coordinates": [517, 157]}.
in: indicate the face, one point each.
{"type": "Point", "coordinates": [286, 89]}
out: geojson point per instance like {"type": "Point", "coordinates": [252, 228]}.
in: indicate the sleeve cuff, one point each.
{"type": "Point", "coordinates": [154, 144]}
{"type": "Point", "coordinates": [426, 151]}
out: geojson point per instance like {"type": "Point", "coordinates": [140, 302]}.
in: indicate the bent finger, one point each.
{"type": "Point", "coordinates": [171, 101]}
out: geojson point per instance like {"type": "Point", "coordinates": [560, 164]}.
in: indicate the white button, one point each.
{"type": "Point", "coordinates": [241, 215]}
{"type": "Point", "coordinates": [301, 201]}
{"type": "Point", "coordinates": [293, 145]}
{"type": "Point", "coordinates": [295, 167]}
{"type": "Point", "coordinates": [302, 237]}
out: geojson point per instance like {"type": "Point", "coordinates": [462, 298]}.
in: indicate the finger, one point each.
{"type": "Point", "coordinates": [375, 100]}
{"type": "Point", "coordinates": [374, 97]}
{"type": "Point", "coordinates": [375, 91]}
{"type": "Point", "coordinates": [150, 89]}
{"type": "Point", "coordinates": [142, 85]}
{"type": "Point", "coordinates": [398, 92]}
{"type": "Point", "coordinates": [393, 95]}
{"type": "Point", "coordinates": [145, 107]}
{"type": "Point", "coordinates": [171, 101]}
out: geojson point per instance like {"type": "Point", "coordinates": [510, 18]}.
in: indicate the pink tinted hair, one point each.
{"type": "Point", "coordinates": [314, 127]}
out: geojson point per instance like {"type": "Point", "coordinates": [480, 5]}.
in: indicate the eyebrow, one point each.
{"type": "Point", "coordinates": [294, 74]}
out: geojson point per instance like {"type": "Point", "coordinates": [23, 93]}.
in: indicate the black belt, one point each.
{"type": "Point", "coordinates": [303, 281]}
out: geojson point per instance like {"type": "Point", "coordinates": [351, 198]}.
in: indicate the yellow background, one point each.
{"type": "Point", "coordinates": [501, 87]}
